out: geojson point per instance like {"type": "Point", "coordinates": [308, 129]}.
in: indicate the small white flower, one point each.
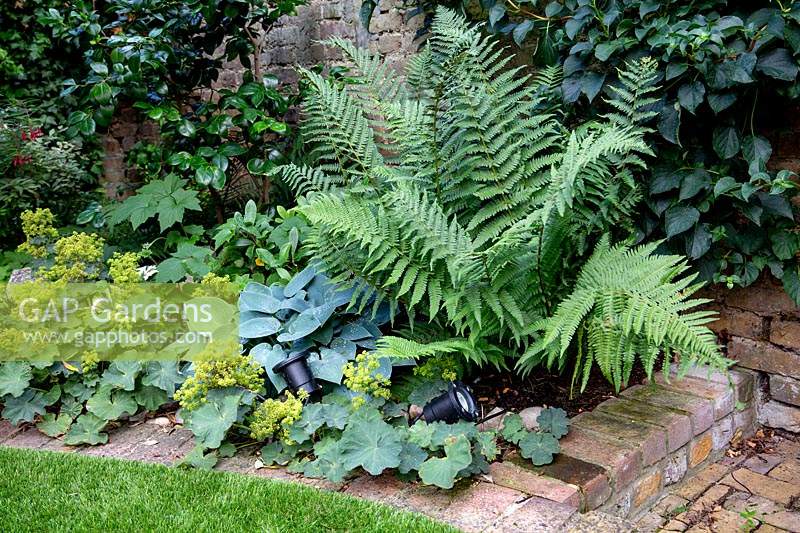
{"type": "Point", "coordinates": [147, 271]}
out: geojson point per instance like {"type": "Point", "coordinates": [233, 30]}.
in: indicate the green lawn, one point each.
{"type": "Point", "coordinates": [46, 491]}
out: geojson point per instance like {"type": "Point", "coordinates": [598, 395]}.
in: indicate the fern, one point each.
{"type": "Point", "coordinates": [626, 301]}
{"type": "Point", "coordinates": [460, 196]}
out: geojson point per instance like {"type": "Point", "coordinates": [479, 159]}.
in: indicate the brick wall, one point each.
{"type": "Point", "coordinates": [291, 43]}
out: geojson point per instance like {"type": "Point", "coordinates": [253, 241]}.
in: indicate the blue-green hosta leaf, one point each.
{"type": "Point", "coordinates": [554, 421]}
{"type": "Point", "coordinates": [268, 355]}
{"type": "Point", "coordinates": [110, 404]}
{"type": "Point", "coordinates": [329, 366]}
{"type": "Point", "coordinates": [87, 429]}
{"type": "Point", "coordinates": [24, 407]}
{"type": "Point", "coordinates": [257, 297]}
{"type": "Point", "coordinates": [151, 398]}
{"type": "Point", "coordinates": [306, 323]}
{"type": "Point", "coordinates": [299, 281]}
{"type": "Point", "coordinates": [538, 447]}
{"type": "Point", "coordinates": [14, 378]}
{"type": "Point", "coordinates": [211, 421]}
{"type": "Point", "coordinates": [258, 327]}
{"type": "Point", "coordinates": [372, 444]}
{"type": "Point", "coordinates": [442, 472]}
{"type": "Point", "coordinates": [122, 374]}
{"type": "Point", "coordinates": [54, 426]}
{"type": "Point", "coordinates": [165, 375]}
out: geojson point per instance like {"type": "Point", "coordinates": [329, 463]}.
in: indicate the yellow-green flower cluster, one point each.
{"type": "Point", "coordinates": [40, 231]}
{"type": "Point", "coordinates": [78, 257]}
{"type": "Point", "coordinates": [275, 417]}
{"type": "Point", "coordinates": [240, 371]}
{"type": "Point", "coordinates": [122, 268]}
{"type": "Point", "coordinates": [90, 361]}
{"type": "Point", "coordinates": [361, 377]}
{"type": "Point", "coordinates": [218, 286]}
{"type": "Point", "coordinates": [446, 367]}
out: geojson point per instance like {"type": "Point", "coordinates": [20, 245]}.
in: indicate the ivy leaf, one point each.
{"type": "Point", "coordinates": [87, 430]}
{"type": "Point", "coordinates": [111, 404]}
{"type": "Point", "coordinates": [778, 64]}
{"type": "Point", "coordinates": [691, 95]}
{"type": "Point", "coordinates": [591, 83]}
{"type": "Point", "coordinates": [721, 102]}
{"type": "Point", "coordinates": [538, 447]}
{"type": "Point", "coordinates": [53, 426]}
{"type": "Point", "coordinates": [725, 185]}
{"type": "Point", "coordinates": [513, 428]}
{"type": "Point", "coordinates": [675, 69]}
{"type": "Point", "coordinates": [442, 471]}
{"type": "Point", "coordinates": [521, 31]}
{"type": "Point", "coordinates": [14, 378]}
{"type": "Point", "coordinates": [784, 244]}
{"type": "Point", "coordinates": [497, 12]}
{"type": "Point", "coordinates": [669, 122]}
{"type": "Point", "coordinates": [371, 444]}
{"type": "Point", "coordinates": [211, 421]}
{"type": "Point", "coordinates": [791, 284]}
{"type": "Point", "coordinates": [693, 183]}
{"type": "Point", "coordinates": [604, 50]}
{"type": "Point", "coordinates": [726, 142]}
{"type": "Point", "coordinates": [701, 241]}
{"type": "Point", "coordinates": [756, 148]}
{"type": "Point", "coordinates": [680, 218]}
{"type": "Point", "coordinates": [24, 407]}
{"type": "Point", "coordinates": [554, 421]}
{"type": "Point", "coordinates": [122, 374]}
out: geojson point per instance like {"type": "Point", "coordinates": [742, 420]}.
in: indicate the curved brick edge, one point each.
{"type": "Point", "coordinates": [622, 456]}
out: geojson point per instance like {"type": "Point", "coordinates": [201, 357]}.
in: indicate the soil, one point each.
{"type": "Point", "coordinates": [508, 390]}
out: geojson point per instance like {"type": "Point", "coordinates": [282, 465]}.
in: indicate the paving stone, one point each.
{"type": "Point", "coordinates": [742, 380]}
{"type": "Point", "coordinates": [534, 514]}
{"type": "Point", "coordinates": [784, 389]}
{"type": "Point", "coordinates": [675, 525]}
{"type": "Point", "coordinates": [675, 466]}
{"type": "Point", "coordinates": [649, 523]}
{"type": "Point", "coordinates": [478, 506]}
{"type": "Point", "coordinates": [596, 522]}
{"type": "Point", "coordinates": [704, 504]}
{"type": "Point", "coordinates": [697, 484]}
{"type": "Point", "coordinates": [767, 487]}
{"type": "Point", "coordinates": [620, 462]}
{"type": "Point", "coordinates": [651, 440]}
{"type": "Point", "coordinates": [766, 528]}
{"type": "Point", "coordinates": [700, 448]}
{"type": "Point", "coordinates": [385, 488]}
{"type": "Point", "coordinates": [699, 410]}
{"type": "Point", "coordinates": [778, 415]}
{"type": "Point", "coordinates": [677, 426]}
{"type": "Point", "coordinates": [6, 429]}
{"type": "Point", "coordinates": [763, 462]}
{"type": "Point", "coordinates": [670, 505]}
{"type": "Point", "coordinates": [530, 416]}
{"type": "Point", "coordinates": [788, 470]}
{"type": "Point", "coordinates": [721, 394]}
{"type": "Point", "coordinates": [514, 476]}
{"type": "Point", "coordinates": [766, 511]}
{"type": "Point", "coordinates": [126, 442]}
{"type": "Point", "coordinates": [724, 521]}
{"type": "Point", "coordinates": [28, 438]}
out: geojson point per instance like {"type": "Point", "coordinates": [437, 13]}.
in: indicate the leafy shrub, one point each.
{"type": "Point", "coordinates": [729, 69]}
{"type": "Point", "coordinates": [484, 207]}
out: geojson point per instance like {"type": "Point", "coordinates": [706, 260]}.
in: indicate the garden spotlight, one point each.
{"type": "Point", "coordinates": [456, 404]}
{"type": "Point", "coordinates": [298, 376]}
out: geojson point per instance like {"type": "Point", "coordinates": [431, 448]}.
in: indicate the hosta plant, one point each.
{"type": "Point", "coordinates": [456, 195]}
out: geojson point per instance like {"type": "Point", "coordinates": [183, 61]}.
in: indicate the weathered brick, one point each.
{"type": "Point", "coordinates": [745, 420]}
{"type": "Point", "coordinates": [651, 440]}
{"type": "Point", "coordinates": [677, 425]}
{"type": "Point", "coordinates": [721, 395]}
{"type": "Point", "coordinates": [778, 415]}
{"type": "Point", "coordinates": [722, 432]}
{"type": "Point", "coordinates": [478, 506]}
{"type": "Point", "coordinates": [513, 476]}
{"type": "Point", "coordinates": [784, 389]}
{"type": "Point", "coordinates": [739, 322]}
{"type": "Point", "coordinates": [742, 381]}
{"type": "Point", "coordinates": [675, 466]}
{"type": "Point", "coordinates": [785, 333]}
{"type": "Point", "coordinates": [762, 297]}
{"type": "Point", "coordinates": [760, 355]}
{"type": "Point", "coordinates": [788, 470]}
{"type": "Point", "coordinates": [535, 514]}
{"type": "Point", "coordinates": [647, 489]}
{"type": "Point", "coordinates": [385, 488]}
{"type": "Point", "coordinates": [763, 462]}
{"type": "Point", "coordinates": [774, 517]}
{"type": "Point", "coordinates": [591, 479]}
{"type": "Point", "coordinates": [699, 410]}
{"type": "Point", "coordinates": [621, 462]}
{"type": "Point", "coordinates": [700, 448]}
{"type": "Point", "coordinates": [773, 489]}
{"type": "Point", "coordinates": [670, 505]}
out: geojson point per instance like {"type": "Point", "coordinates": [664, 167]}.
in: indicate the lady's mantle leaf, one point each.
{"type": "Point", "coordinates": [442, 472]}
{"type": "Point", "coordinates": [539, 447]}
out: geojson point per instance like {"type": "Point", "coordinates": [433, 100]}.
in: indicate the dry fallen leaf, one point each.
{"type": "Point", "coordinates": [151, 442]}
{"type": "Point", "coordinates": [258, 464]}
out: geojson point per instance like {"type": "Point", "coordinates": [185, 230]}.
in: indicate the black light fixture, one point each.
{"type": "Point", "coordinates": [298, 376]}
{"type": "Point", "coordinates": [456, 404]}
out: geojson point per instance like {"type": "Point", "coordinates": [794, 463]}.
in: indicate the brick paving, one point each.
{"type": "Point", "coordinates": [737, 494]}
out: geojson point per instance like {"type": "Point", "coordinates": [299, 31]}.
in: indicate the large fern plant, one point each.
{"type": "Point", "coordinates": [457, 193]}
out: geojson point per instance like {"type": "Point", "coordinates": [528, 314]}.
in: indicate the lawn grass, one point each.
{"type": "Point", "coordinates": [50, 491]}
